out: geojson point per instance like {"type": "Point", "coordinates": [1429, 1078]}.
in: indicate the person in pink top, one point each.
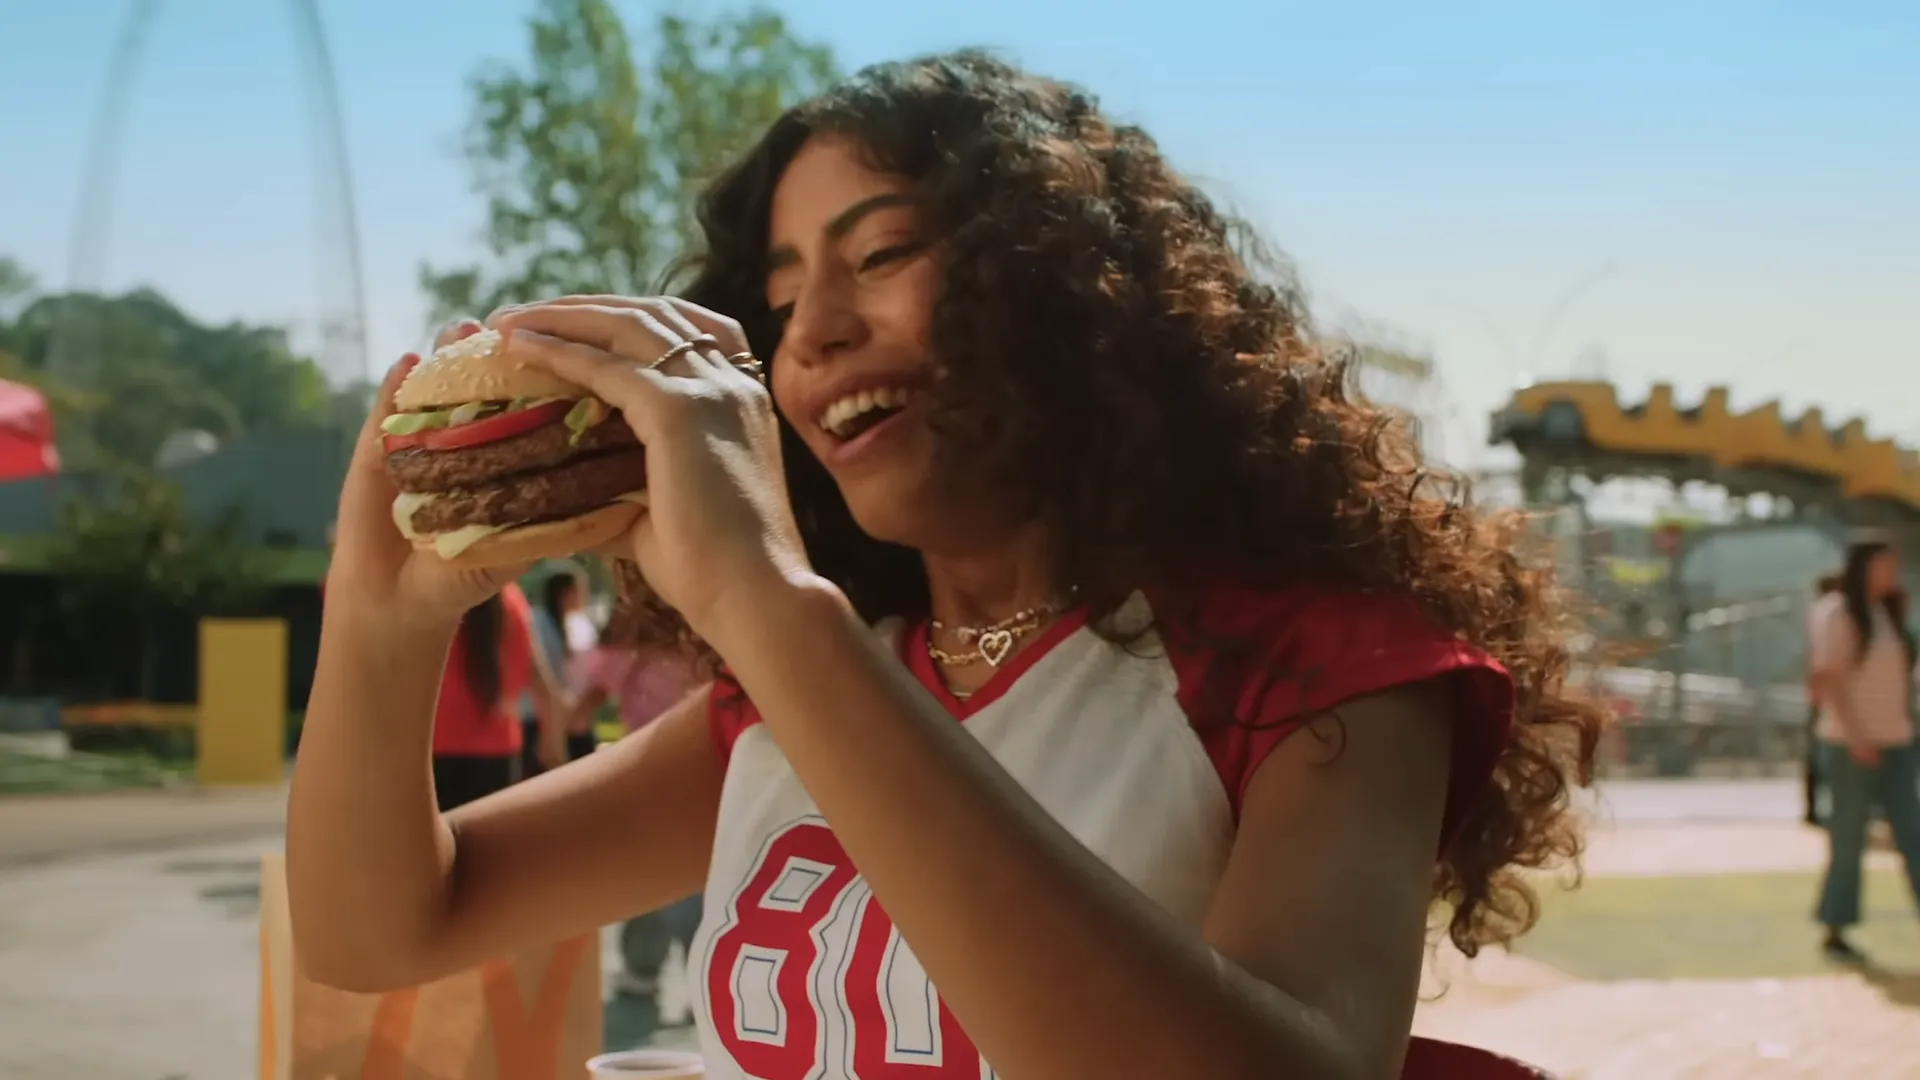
{"type": "Point", "coordinates": [644, 683]}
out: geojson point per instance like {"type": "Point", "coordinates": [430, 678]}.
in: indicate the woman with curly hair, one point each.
{"type": "Point", "coordinates": [1090, 654]}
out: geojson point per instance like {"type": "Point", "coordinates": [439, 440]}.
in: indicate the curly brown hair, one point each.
{"type": "Point", "coordinates": [1120, 351]}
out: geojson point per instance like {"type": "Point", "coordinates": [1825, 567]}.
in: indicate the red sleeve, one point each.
{"type": "Point", "coordinates": [729, 713]}
{"type": "Point", "coordinates": [1253, 666]}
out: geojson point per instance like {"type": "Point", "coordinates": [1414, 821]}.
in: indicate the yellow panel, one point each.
{"type": "Point", "coordinates": [243, 701]}
{"type": "Point", "coordinates": [1861, 467]}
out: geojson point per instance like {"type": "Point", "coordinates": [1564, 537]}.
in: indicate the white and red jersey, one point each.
{"type": "Point", "coordinates": [1143, 750]}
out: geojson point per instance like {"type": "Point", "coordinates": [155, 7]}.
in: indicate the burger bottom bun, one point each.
{"type": "Point", "coordinates": [545, 540]}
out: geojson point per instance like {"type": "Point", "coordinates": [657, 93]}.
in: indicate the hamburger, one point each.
{"type": "Point", "coordinates": [500, 463]}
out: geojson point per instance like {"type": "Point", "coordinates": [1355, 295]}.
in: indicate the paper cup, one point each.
{"type": "Point", "coordinates": [647, 1065]}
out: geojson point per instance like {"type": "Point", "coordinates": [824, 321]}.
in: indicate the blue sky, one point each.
{"type": "Point", "coordinates": [1736, 184]}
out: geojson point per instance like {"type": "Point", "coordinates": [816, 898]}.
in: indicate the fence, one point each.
{"type": "Point", "coordinates": [1731, 701]}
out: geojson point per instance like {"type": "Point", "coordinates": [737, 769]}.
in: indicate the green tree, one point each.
{"type": "Point", "coordinates": [133, 369]}
{"type": "Point", "coordinates": [138, 556]}
{"type": "Point", "coordinates": [16, 281]}
{"type": "Point", "coordinates": [589, 159]}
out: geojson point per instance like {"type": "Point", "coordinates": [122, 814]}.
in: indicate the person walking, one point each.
{"type": "Point", "coordinates": [557, 625]}
{"type": "Point", "coordinates": [1863, 658]}
{"type": "Point", "coordinates": [477, 742]}
{"type": "Point", "coordinates": [645, 682]}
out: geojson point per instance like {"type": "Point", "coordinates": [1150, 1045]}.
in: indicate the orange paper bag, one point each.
{"type": "Point", "coordinates": [535, 1016]}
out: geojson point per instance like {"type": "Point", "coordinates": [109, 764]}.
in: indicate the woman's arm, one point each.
{"type": "Point", "coordinates": [386, 892]}
{"type": "Point", "coordinates": [1833, 647]}
{"type": "Point", "coordinates": [1054, 964]}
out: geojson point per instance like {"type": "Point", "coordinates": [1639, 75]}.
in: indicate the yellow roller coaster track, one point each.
{"type": "Point", "coordinates": [1568, 420]}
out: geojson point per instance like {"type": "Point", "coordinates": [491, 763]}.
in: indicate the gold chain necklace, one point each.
{"type": "Point", "coordinates": [993, 642]}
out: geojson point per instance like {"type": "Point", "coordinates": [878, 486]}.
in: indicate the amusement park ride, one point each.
{"type": "Point", "coordinates": [1837, 481]}
{"type": "Point", "coordinates": [1840, 479]}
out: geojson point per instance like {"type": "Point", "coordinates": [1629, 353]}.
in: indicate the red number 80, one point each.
{"type": "Point", "coordinates": [769, 959]}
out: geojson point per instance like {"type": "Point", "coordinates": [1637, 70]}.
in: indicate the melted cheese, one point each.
{"type": "Point", "coordinates": [405, 505]}
{"type": "Point", "coordinates": [451, 543]}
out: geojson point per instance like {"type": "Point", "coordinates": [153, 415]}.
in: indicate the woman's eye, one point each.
{"type": "Point", "coordinates": [780, 316]}
{"type": "Point", "coordinates": [889, 254]}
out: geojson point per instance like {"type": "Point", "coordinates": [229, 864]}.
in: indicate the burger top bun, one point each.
{"type": "Point", "coordinates": [546, 540]}
{"type": "Point", "coordinates": [472, 369]}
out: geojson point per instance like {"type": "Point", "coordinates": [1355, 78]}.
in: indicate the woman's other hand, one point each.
{"type": "Point", "coordinates": [375, 569]}
{"type": "Point", "coordinates": [718, 529]}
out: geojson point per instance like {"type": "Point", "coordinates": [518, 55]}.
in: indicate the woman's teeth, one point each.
{"type": "Point", "coordinates": [854, 413]}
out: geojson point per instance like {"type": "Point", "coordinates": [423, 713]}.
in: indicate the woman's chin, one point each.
{"type": "Point", "coordinates": [888, 513]}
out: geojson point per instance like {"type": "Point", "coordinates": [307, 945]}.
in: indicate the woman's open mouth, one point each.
{"type": "Point", "coordinates": [857, 413]}
{"type": "Point", "coordinates": [860, 418]}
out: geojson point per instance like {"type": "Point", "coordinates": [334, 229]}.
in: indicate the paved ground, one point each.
{"type": "Point", "coordinates": [127, 947]}
{"type": "Point", "coordinates": [37, 828]}
{"type": "Point", "coordinates": [1689, 953]}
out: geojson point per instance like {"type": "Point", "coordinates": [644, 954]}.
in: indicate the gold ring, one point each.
{"type": "Point", "coordinates": [682, 349]}
{"type": "Point", "coordinates": [748, 363]}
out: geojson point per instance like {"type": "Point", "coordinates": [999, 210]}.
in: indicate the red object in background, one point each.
{"type": "Point", "coordinates": [1431, 1059]}
{"type": "Point", "coordinates": [26, 434]}
{"type": "Point", "coordinates": [1667, 539]}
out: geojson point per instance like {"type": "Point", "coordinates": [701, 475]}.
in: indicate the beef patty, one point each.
{"type": "Point", "coordinates": [573, 488]}
{"type": "Point", "coordinates": [475, 466]}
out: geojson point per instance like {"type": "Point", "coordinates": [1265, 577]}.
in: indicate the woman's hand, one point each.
{"type": "Point", "coordinates": [718, 529]}
{"type": "Point", "coordinates": [374, 568]}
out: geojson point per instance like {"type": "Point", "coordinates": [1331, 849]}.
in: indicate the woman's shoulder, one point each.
{"type": "Point", "coordinates": [1292, 649]}
{"type": "Point", "coordinates": [1251, 614]}
{"type": "Point", "coordinates": [1255, 661]}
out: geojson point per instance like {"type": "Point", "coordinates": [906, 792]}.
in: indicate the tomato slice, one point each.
{"type": "Point", "coordinates": [477, 432]}
{"type": "Point", "coordinates": [494, 428]}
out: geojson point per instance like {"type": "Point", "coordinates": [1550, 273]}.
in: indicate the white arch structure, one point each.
{"type": "Point", "coordinates": [342, 300]}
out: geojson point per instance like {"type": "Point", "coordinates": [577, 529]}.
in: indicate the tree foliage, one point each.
{"type": "Point", "coordinates": [125, 372]}
{"type": "Point", "coordinates": [589, 158]}
{"type": "Point", "coordinates": [137, 556]}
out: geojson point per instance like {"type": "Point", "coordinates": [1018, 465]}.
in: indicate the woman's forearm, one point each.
{"type": "Point", "coordinates": [1056, 965]}
{"type": "Point", "coordinates": [367, 852]}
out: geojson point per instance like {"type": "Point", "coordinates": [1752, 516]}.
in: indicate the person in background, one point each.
{"type": "Point", "coordinates": [1826, 585]}
{"type": "Point", "coordinates": [477, 742]}
{"type": "Point", "coordinates": [555, 620]}
{"type": "Point", "coordinates": [645, 682]}
{"type": "Point", "coordinates": [1863, 655]}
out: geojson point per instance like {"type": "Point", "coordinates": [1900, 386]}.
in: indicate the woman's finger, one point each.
{"type": "Point", "coordinates": [369, 447]}
{"type": "Point", "coordinates": [595, 299]}
{"type": "Point", "coordinates": [457, 330]}
{"type": "Point", "coordinates": [631, 388]}
{"type": "Point", "coordinates": [367, 482]}
{"type": "Point", "coordinates": [706, 357]}
{"type": "Point", "coordinates": [732, 338]}
{"type": "Point", "coordinates": [631, 332]}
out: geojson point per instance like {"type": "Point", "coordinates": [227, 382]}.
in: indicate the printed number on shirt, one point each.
{"type": "Point", "coordinates": [807, 969]}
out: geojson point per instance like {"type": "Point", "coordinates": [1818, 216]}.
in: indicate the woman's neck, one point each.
{"type": "Point", "coordinates": [979, 590]}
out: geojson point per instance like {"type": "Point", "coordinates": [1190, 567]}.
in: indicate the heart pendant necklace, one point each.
{"type": "Point", "coordinates": [991, 643]}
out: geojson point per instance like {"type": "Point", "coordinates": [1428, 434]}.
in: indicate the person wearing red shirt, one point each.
{"type": "Point", "coordinates": [476, 735]}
